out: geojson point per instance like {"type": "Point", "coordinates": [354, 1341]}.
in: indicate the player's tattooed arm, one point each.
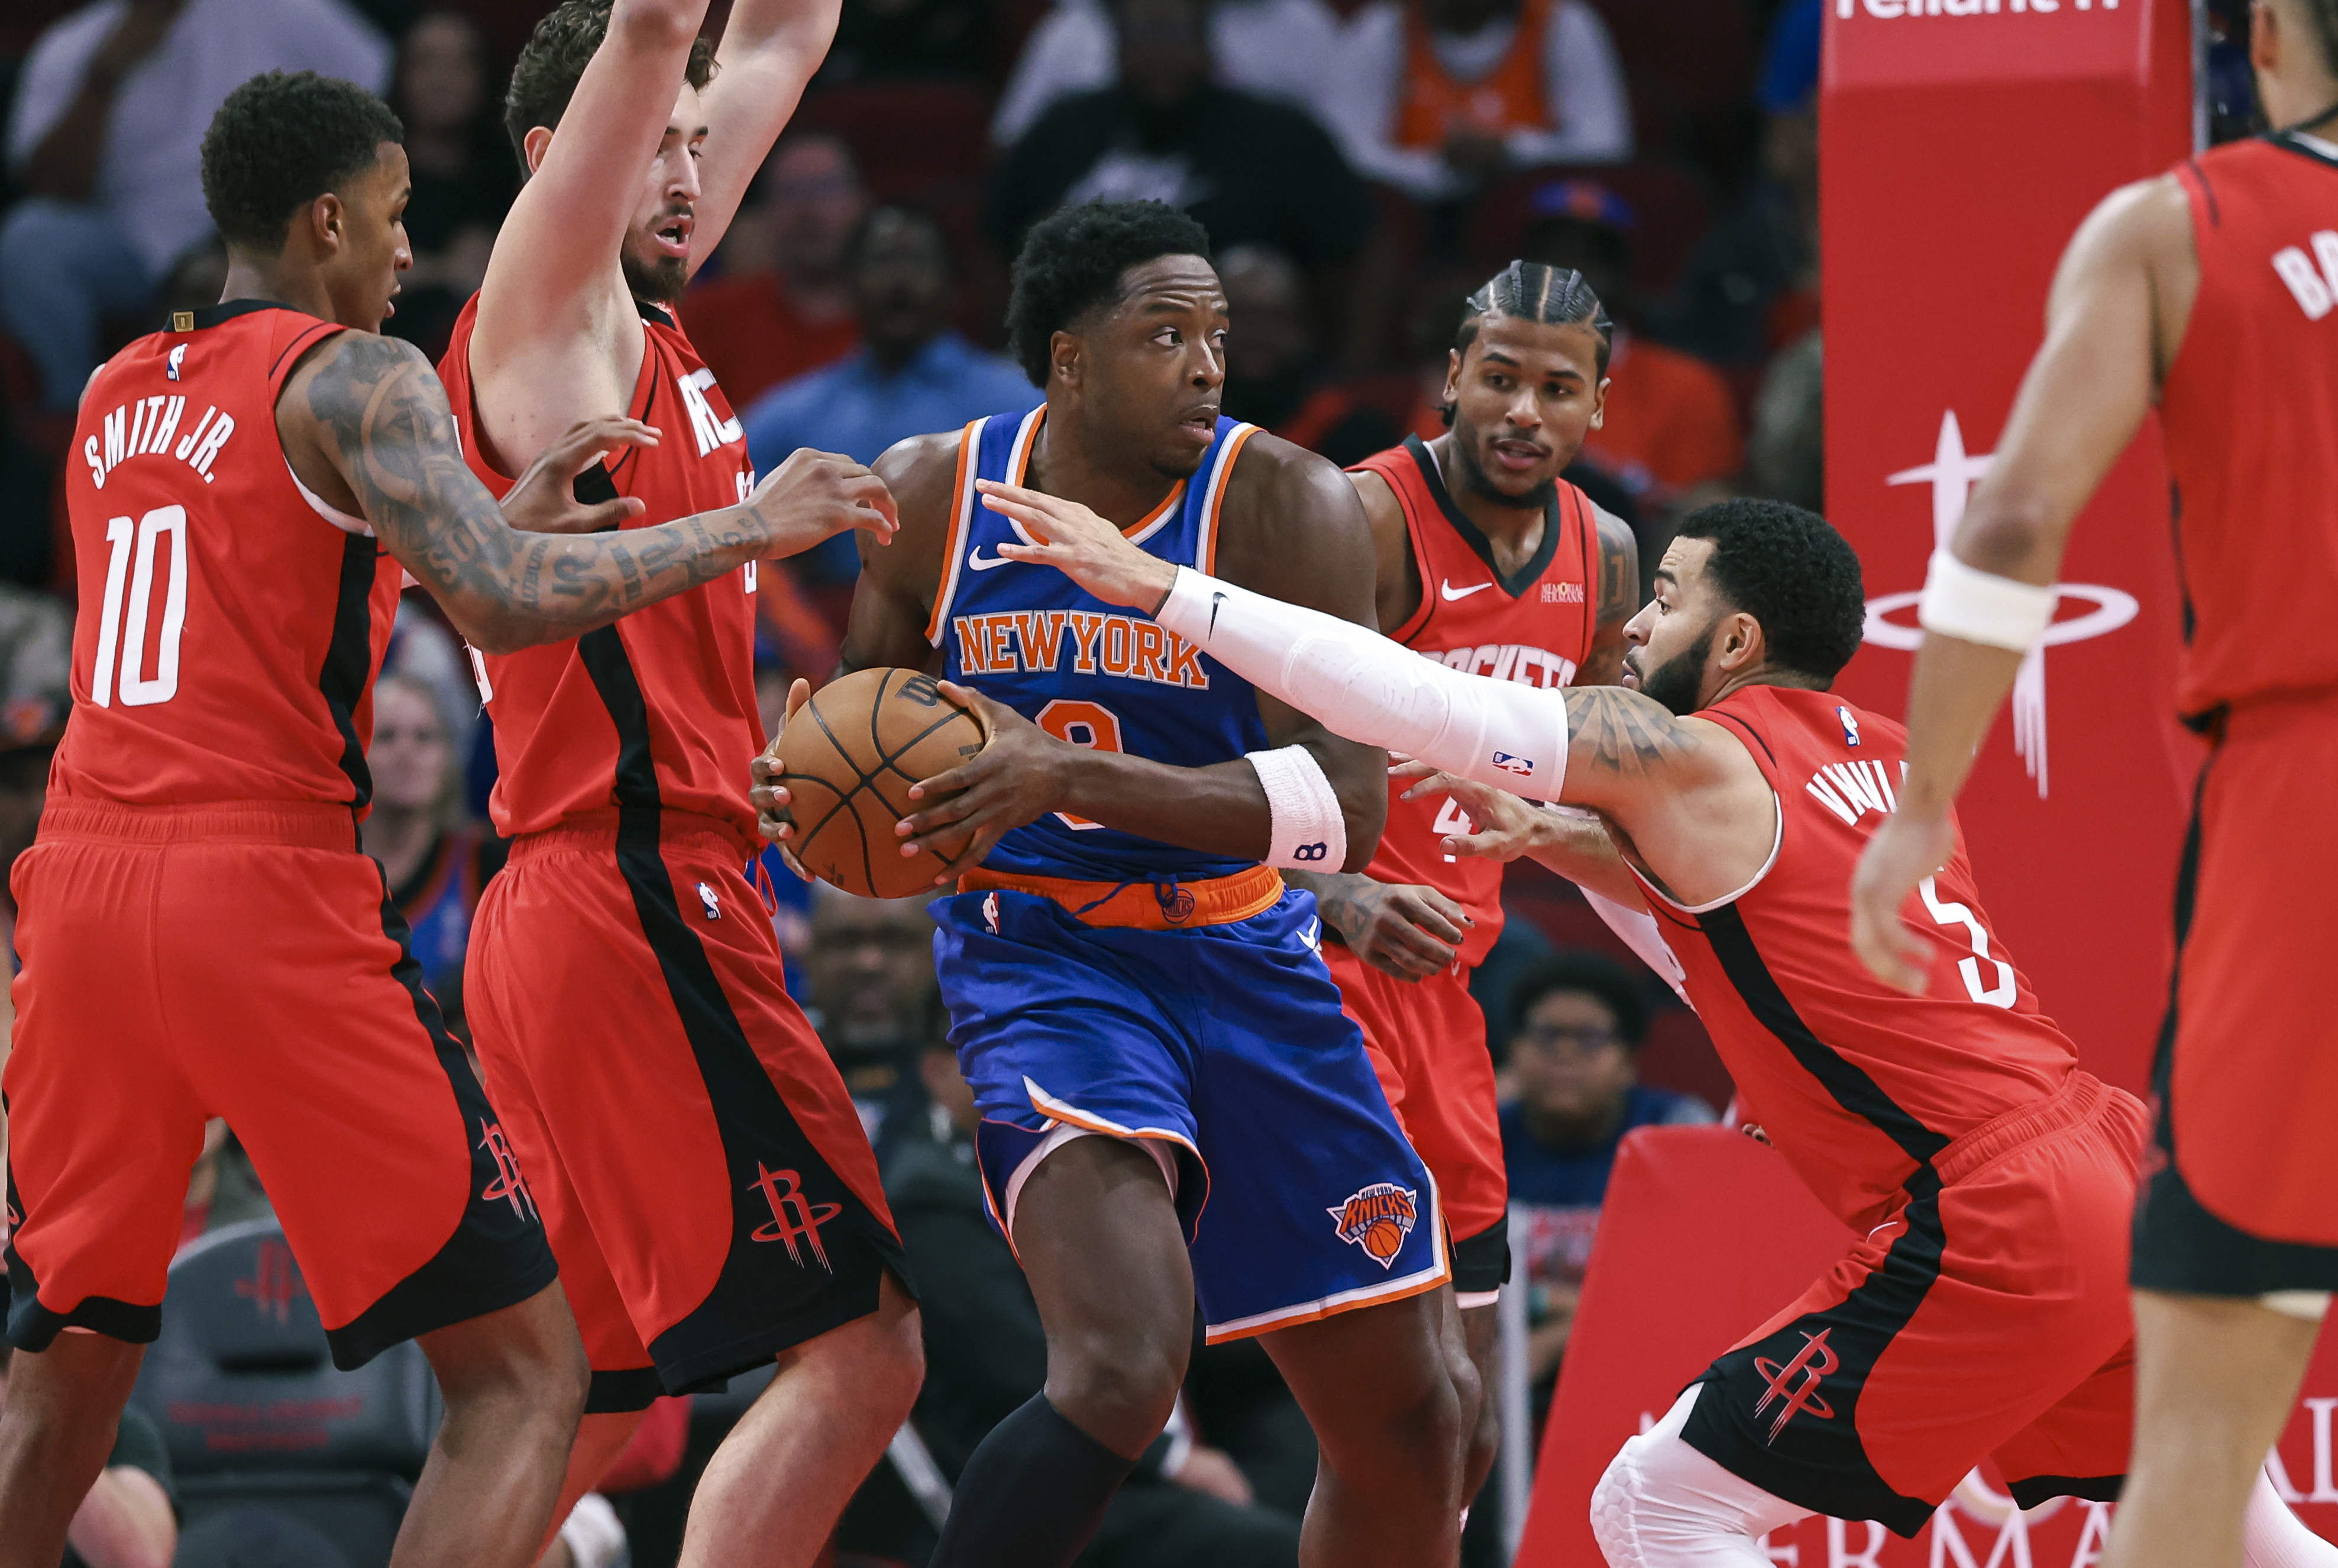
{"type": "Point", "coordinates": [1618, 595]}
{"type": "Point", "coordinates": [366, 424]}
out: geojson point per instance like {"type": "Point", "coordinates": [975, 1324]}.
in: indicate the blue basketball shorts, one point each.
{"type": "Point", "coordinates": [1223, 1050]}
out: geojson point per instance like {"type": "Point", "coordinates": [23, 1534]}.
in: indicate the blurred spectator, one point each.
{"type": "Point", "coordinates": [1578, 1022]}
{"type": "Point", "coordinates": [986, 1354]}
{"type": "Point", "coordinates": [913, 373]}
{"type": "Point", "coordinates": [35, 696]}
{"type": "Point", "coordinates": [1750, 286]}
{"type": "Point", "coordinates": [896, 38]}
{"type": "Point", "coordinates": [130, 1518]}
{"type": "Point", "coordinates": [198, 278]}
{"type": "Point", "coordinates": [1669, 420]}
{"type": "Point", "coordinates": [779, 306]}
{"type": "Point", "coordinates": [1252, 172]}
{"type": "Point", "coordinates": [105, 139]}
{"type": "Point", "coordinates": [1287, 49]}
{"type": "Point", "coordinates": [1786, 455]}
{"type": "Point", "coordinates": [1277, 376]}
{"type": "Point", "coordinates": [464, 175]}
{"type": "Point", "coordinates": [1444, 94]}
{"type": "Point", "coordinates": [874, 1000]}
{"type": "Point", "coordinates": [421, 646]}
{"type": "Point", "coordinates": [436, 865]}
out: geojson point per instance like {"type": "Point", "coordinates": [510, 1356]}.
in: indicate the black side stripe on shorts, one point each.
{"type": "Point", "coordinates": [738, 1087]}
{"type": "Point", "coordinates": [498, 1254]}
{"type": "Point", "coordinates": [349, 658]}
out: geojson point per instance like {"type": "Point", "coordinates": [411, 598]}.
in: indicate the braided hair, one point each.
{"type": "Point", "coordinates": [1545, 295]}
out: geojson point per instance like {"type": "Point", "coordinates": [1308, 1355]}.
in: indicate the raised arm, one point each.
{"type": "Point", "coordinates": [366, 425]}
{"type": "Point", "coordinates": [2114, 320]}
{"type": "Point", "coordinates": [770, 50]}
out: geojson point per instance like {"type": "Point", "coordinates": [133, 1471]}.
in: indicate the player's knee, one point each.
{"type": "Point", "coordinates": [1119, 1387]}
{"type": "Point", "coordinates": [526, 1359]}
{"type": "Point", "coordinates": [1660, 1503]}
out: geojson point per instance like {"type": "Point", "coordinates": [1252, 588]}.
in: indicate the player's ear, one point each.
{"type": "Point", "coordinates": [1452, 376]}
{"type": "Point", "coordinates": [1064, 358]}
{"type": "Point", "coordinates": [1599, 404]}
{"type": "Point", "coordinates": [1741, 643]}
{"type": "Point", "coordinates": [538, 138]}
{"type": "Point", "coordinates": [327, 218]}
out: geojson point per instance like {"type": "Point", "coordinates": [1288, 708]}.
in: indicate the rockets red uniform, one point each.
{"type": "Point", "coordinates": [1427, 1037]}
{"type": "Point", "coordinates": [2244, 1175]}
{"type": "Point", "coordinates": [1985, 1311]}
{"type": "Point", "coordinates": [201, 935]}
{"type": "Point", "coordinates": [703, 1172]}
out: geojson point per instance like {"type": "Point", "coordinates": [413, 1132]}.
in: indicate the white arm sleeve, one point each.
{"type": "Point", "coordinates": [1360, 684]}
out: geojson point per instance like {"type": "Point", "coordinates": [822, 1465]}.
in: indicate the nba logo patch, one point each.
{"type": "Point", "coordinates": [1378, 1218]}
{"type": "Point", "coordinates": [990, 911]}
{"type": "Point", "coordinates": [1850, 726]}
{"type": "Point", "coordinates": [1522, 766]}
{"type": "Point", "coordinates": [713, 906]}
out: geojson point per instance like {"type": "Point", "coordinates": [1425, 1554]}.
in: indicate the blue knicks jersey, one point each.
{"type": "Point", "coordinates": [1085, 671]}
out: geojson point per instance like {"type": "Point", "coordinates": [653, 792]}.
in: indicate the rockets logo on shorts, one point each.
{"type": "Point", "coordinates": [1815, 1362]}
{"type": "Point", "coordinates": [793, 1216]}
{"type": "Point", "coordinates": [509, 1183]}
{"type": "Point", "coordinates": [1378, 1218]}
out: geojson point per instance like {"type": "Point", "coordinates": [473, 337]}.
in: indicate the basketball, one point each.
{"type": "Point", "coordinates": [847, 759]}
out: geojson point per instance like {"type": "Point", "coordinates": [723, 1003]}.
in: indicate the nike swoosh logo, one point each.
{"type": "Point", "coordinates": [974, 559]}
{"type": "Point", "coordinates": [1450, 592]}
{"type": "Point", "coordinates": [1215, 600]}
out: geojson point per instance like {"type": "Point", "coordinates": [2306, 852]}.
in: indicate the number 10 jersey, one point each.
{"type": "Point", "coordinates": [231, 624]}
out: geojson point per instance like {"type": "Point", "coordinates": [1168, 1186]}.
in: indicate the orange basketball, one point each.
{"type": "Point", "coordinates": [847, 759]}
{"type": "Point", "coordinates": [1383, 1238]}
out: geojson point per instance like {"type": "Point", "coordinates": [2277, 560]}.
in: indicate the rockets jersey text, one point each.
{"type": "Point", "coordinates": [1086, 671]}
{"type": "Point", "coordinates": [657, 710]}
{"type": "Point", "coordinates": [1533, 626]}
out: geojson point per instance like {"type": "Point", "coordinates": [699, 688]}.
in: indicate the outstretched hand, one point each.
{"type": "Point", "coordinates": [768, 795]}
{"type": "Point", "coordinates": [815, 496]}
{"type": "Point", "coordinates": [1082, 546]}
{"type": "Point", "coordinates": [1504, 825]}
{"type": "Point", "coordinates": [1905, 850]}
{"type": "Point", "coordinates": [545, 499]}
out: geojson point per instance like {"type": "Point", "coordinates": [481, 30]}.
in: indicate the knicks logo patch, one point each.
{"type": "Point", "coordinates": [1378, 1218]}
{"type": "Point", "coordinates": [794, 1218]}
{"type": "Point", "coordinates": [1795, 1385]}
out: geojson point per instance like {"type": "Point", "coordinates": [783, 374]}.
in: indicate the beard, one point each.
{"type": "Point", "coordinates": [1675, 682]}
{"type": "Point", "coordinates": [1478, 483]}
{"type": "Point", "coordinates": [659, 281]}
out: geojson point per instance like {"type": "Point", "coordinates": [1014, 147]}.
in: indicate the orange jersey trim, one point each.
{"type": "Point", "coordinates": [1217, 498]}
{"type": "Point", "coordinates": [961, 516]}
{"type": "Point", "coordinates": [1139, 906]}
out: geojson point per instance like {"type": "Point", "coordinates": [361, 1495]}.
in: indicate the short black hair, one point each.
{"type": "Point", "coordinates": [554, 56]}
{"type": "Point", "coordinates": [857, 240]}
{"type": "Point", "coordinates": [1538, 292]}
{"type": "Point", "coordinates": [1073, 260]}
{"type": "Point", "coordinates": [1581, 969]}
{"type": "Point", "coordinates": [1791, 572]}
{"type": "Point", "coordinates": [280, 140]}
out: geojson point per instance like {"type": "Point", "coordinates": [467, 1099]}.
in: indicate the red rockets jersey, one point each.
{"type": "Point", "coordinates": [1858, 1085]}
{"type": "Point", "coordinates": [657, 710]}
{"type": "Point", "coordinates": [230, 626]}
{"type": "Point", "coordinates": [1534, 628]}
{"type": "Point", "coordinates": [2248, 412]}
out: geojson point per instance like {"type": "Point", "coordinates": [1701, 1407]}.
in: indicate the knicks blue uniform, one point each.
{"type": "Point", "coordinates": [1103, 983]}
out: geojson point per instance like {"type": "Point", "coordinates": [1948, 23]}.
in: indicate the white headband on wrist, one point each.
{"type": "Point", "coordinates": [1961, 600]}
{"type": "Point", "coordinates": [1309, 832]}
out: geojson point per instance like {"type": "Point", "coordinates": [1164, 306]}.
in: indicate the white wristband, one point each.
{"type": "Point", "coordinates": [1961, 600]}
{"type": "Point", "coordinates": [1309, 832]}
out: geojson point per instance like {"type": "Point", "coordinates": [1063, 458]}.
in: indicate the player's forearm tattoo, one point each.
{"type": "Point", "coordinates": [388, 416]}
{"type": "Point", "coordinates": [1622, 732]}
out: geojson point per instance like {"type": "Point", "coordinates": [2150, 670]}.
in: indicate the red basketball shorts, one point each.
{"type": "Point", "coordinates": [703, 1172]}
{"type": "Point", "coordinates": [1986, 1316]}
{"type": "Point", "coordinates": [242, 961]}
{"type": "Point", "coordinates": [2242, 1194]}
{"type": "Point", "coordinates": [1427, 1040]}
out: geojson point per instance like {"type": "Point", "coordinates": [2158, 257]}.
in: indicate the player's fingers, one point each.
{"type": "Point", "coordinates": [1427, 917]}
{"type": "Point", "coordinates": [933, 820]}
{"type": "Point", "coordinates": [797, 695]}
{"type": "Point", "coordinates": [978, 845]}
{"type": "Point", "coordinates": [613, 514]}
{"type": "Point", "coordinates": [870, 491]}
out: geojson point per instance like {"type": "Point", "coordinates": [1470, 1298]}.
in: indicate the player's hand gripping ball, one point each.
{"type": "Point", "coordinates": [846, 758]}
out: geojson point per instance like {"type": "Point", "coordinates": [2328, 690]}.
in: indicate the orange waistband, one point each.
{"type": "Point", "coordinates": [2071, 1105]}
{"type": "Point", "coordinates": [302, 824]}
{"type": "Point", "coordinates": [1146, 905]}
{"type": "Point", "coordinates": [687, 832]}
